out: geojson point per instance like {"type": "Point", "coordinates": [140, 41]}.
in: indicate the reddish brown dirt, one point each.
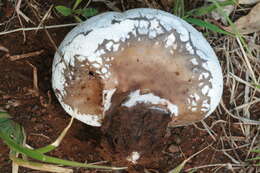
{"type": "Point", "coordinates": [43, 118]}
{"type": "Point", "coordinates": [135, 130]}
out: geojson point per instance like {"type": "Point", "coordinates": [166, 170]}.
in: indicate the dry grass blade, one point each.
{"type": "Point", "coordinates": [247, 104]}
{"type": "Point", "coordinates": [248, 64]}
{"type": "Point", "coordinates": [45, 17]}
{"type": "Point", "coordinates": [181, 166]}
{"type": "Point", "coordinates": [227, 165]}
{"type": "Point", "coordinates": [244, 120]}
{"type": "Point", "coordinates": [40, 166]}
{"type": "Point", "coordinates": [248, 1]}
{"type": "Point", "coordinates": [244, 82]}
{"type": "Point", "coordinates": [37, 28]}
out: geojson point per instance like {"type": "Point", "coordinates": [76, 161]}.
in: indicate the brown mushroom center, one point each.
{"type": "Point", "coordinates": [148, 65]}
{"type": "Point", "coordinates": [166, 72]}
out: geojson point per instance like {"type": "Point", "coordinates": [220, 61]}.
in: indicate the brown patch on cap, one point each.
{"type": "Point", "coordinates": [149, 66]}
{"type": "Point", "coordinates": [145, 64]}
{"type": "Point", "coordinates": [84, 90]}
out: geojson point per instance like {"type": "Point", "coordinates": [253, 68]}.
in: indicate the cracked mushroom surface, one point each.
{"type": "Point", "coordinates": [143, 61]}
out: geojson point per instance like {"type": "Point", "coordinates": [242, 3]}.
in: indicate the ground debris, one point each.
{"type": "Point", "coordinates": [249, 23]}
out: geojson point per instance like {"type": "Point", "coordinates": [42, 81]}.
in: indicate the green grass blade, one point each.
{"type": "Point", "coordinates": [256, 85]}
{"type": "Point", "coordinates": [255, 151]}
{"type": "Point", "coordinates": [76, 4]}
{"type": "Point", "coordinates": [65, 11]}
{"type": "Point", "coordinates": [179, 167]}
{"type": "Point", "coordinates": [13, 135]}
{"type": "Point", "coordinates": [46, 149]}
{"type": "Point", "coordinates": [57, 142]}
{"type": "Point", "coordinates": [4, 115]}
{"type": "Point", "coordinates": [255, 158]}
{"type": "Point", "coordinates": [48, 159]}
{"type": "Point", "coordinates": [178, 8]}
{"type": "Point", "coordinates": [207, 25]}
{"type": "Point", "coordinates": [207, 9]}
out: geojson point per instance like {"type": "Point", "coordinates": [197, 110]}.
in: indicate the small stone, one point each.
{"type": "Point", "coordinates": [177, 139]}
{"type": "Point", "coordinates": [173, 148]}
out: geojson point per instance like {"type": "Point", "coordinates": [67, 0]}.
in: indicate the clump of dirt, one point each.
{"type": "Point", "coordinates": [134, 136]}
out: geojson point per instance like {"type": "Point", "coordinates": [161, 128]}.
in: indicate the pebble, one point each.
{"type": "Point", "coordinates": [177, 139]}
{"type": "Point", "coordinates": [173, 148]}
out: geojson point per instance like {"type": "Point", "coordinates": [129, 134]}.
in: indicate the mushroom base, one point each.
{"type": "Point", "coordinates": [134, 136]}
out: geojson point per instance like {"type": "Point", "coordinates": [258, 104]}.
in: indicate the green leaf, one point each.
{"type": "Point", "coordinates": [207, 25]}
{"type": "Point", "coordinates": [11, 128]}
{"type": "Point", "coordinates": [86, 12]}
{"type": "Point", "coordinates": [65, 11]}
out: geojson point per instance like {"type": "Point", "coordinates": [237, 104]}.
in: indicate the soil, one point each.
{"type": "Point", "coordinates": [40, 113]}
{"type": "Point", "coordinates": [137, 129]}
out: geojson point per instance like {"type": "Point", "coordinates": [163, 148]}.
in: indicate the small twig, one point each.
{"type": "Point", "coordinates": [234, 138]}
{"type": "Point", "coordinates": [89, 1]}
{"type": "Point", "coordinates": [246, 109]}
{"type": "Point", "coordinates": [205, 129]}
{"type": "Point", "coordinates": [51, 40]}
{"type": "Point", "coordinates": [41, 135]}
{"type": "Point", "coordinates": [35, 79]}
{"type": "Point", "coordinates": [231, 158]}
{"type": "Point", "coordinates": [26, 55]}
{"type": "Point", "coordinates": [231, 149]}
{"type": "Point", "coordinates": [109, 4]}
{"type": "Point", "coordinates": [209, 130]}
{"type": "Point", "coordinates": [148, 4]}
{"type": "Point", "coordinates": [4, 49]}
{"type": "Point", "coordinates": [122, 5]}
{"type": "Point", "coordinates": [45, 17]}
{"type": "Point", "coordinates": [19, 12]}
{"type": "Point", "coordinates": [49, 98]}
{"type": "Point", "coordinates": [253, 142]}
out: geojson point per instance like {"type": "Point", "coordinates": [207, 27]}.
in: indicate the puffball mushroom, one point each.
{"type": "Point", "coordinates": [142, 57]}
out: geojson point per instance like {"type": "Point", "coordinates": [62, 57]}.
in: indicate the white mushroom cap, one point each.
{"type": "Point", "coordinates": [153, 57]}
